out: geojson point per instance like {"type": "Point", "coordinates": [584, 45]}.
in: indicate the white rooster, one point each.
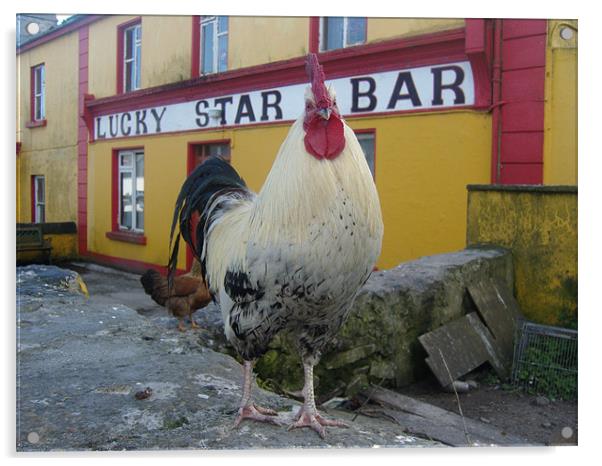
{"type": "Point", "coordinates": [293, 257]}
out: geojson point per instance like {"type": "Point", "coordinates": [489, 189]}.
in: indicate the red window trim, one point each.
{"type": "Point", "coordinates": [314, 34]}
{"type": "Point", "coordinates": [120, 30]}
{"type": "Point", "coordinates": [36, 123]}
{"type": "Point", "coordinates": [195, 59]}
{"type": "Point", "coordinates": [115, 233]}
{"type": "Point", "coordinates": [318, 34]}
{"type": "Point", "coordinates": [33, 123]}
{"type": "Point", "coordinates": [33, 197]}
{"type": "Point", "coordinates": [369, 131]}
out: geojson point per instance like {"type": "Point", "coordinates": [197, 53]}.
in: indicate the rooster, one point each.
{"type": "Point", "coordinates": [293, 257]}
{"type": "Point", "coordinates": [188, 293]}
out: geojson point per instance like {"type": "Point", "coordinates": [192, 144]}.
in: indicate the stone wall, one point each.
{"type": "Point", "coordinates": [379, 342]}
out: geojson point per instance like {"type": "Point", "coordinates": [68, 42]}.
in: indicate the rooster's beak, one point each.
{"type": "Point", "coordinates": [324, 113]}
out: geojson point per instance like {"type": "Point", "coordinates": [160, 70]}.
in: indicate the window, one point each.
{"type": "Point", "coordinates": [214, 44]}
{"type": "Point", "coordinates": [38, 199]}
{"type": "Point", "coordinates": [366, 140]}
{"type": "Point", "coordinates": [132, 40]}
{"type": "Point", "coordinates": [338, 32]}
{"type": "Point", "coordinates": [202, 152]}
{"type": "Point", "coordinates": [131, 190]}
{"type": "Point", "coordinates": [38, 93]}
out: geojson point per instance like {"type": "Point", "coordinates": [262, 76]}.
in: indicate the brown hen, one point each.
{"type": "Point", "coordinates": [189, 293]}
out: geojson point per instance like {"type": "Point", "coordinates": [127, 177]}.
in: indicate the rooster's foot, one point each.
{"type": "Point", "coordinates": [257, 413]}
{"type": "Point", "coordinates": [193, 324]}
{"type": "Point", "coordinates": [316, 422]}
{"type": "Point", "coordinates": [181, 326]}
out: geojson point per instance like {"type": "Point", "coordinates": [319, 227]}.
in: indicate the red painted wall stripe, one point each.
{"type": "Point", "coordinates": [82, 143]}
{"type": "Point", "coordinates": [522, 112]}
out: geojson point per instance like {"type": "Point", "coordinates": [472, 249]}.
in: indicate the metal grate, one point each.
{"type": "Point", "coordinates": [545, 360]}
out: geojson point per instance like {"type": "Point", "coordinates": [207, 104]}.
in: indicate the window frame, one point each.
{"type": "Point", "coordinates": [119, 232]}
{"type": "Point", "coordinates": [121, 56]}
{"type": "Point", "coordinates": [35, 202]}
{"type": "Point", "coordinates": [132, 169]}
{"type": "Point", "coordinates": [323, 33]}
{"type": "Point", "coordinates": [359, 133]}
{"type": "Point", "coordinates": [203, 22]}
{"type": "Point", "coordinates": [35, 119]}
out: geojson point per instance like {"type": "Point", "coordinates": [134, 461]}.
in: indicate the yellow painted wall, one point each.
{"type": "Point", "coordinates": [539, 226]}
{"type": "Point", "coordinates": [388, 28]}
{"type": "Point", "coordinates": [102, 55]}
{"type": "Point", "coordinates": [560, 117]}
{"type": "Point", "coordinates": [423, 163]}
{"type": "Point", "coordinates": [50, 150]}
{"type": "Point", "coordinates": [166, 49]}
{"type": "Point", "coordinates": [254, 40]}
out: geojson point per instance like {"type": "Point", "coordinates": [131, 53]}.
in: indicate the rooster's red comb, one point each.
{"type": "Point", "coordinates": [316, 76]}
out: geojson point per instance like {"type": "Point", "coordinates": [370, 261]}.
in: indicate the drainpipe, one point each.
{"type": "Point", "coordinates": [496, 139]}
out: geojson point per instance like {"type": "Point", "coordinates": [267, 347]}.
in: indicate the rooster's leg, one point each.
{"type": "Point", "coordinates": [308, 414]}
{"type": "Point", "coordinates": [248, 409]}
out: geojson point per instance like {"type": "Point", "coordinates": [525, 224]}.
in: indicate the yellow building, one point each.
{"type": "Point", "coordinates": [115, 111]}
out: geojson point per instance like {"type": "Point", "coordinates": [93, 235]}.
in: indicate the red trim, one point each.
{"type": "Point", "coordinates": [478, 44]}
{"type": "Point", "coordinates": [32, 110]}
{"type": "Point", "coordinates": [120, 29]}
{"type": "Point", "coordinates": [496, 102]}
{"type": "Point", "coordinates": [521, 127]}
{"type": "Point", "coordinates": [289, 122]}
{"type": "Point", "coordinates": [83, 127]}
{"type": "Point", "coordinates": [119, 234]}
{"type": "Point", "coordinates": [128, 265]}
{"type": "Point", "coordinates": [115, 190]}
{"type": "Point", "coordinates": [436, 48]}
{"type": "Point", "coordinates": [314, 34]}
{"type": "Point", "coordinates": [60, 31]}
{"type": "Point", "coordinates": [127, 237]}
{"type": "Point", "coordinates": [36, 123]}
{"type": "Point", "coordinates": [195, 57]}
{"type": "Point", "coordinates": [373, 132]}
{"type": "Point", "coordinates": [33, 123]}
{"type": "Point", "coordinates": [33, 198]}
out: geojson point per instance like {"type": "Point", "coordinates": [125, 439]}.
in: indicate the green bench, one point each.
{"type": "Point", "coordinates": [30, 238]}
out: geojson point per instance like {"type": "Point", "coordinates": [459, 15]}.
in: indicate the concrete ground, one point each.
{"type": "Point", "coordinates": [81, 362]}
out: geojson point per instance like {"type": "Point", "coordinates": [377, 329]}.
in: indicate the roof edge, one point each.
{"type": "Point", "coordinates": [70, 25]}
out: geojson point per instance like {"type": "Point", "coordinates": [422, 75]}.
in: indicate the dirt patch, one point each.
{"type": "Point", "coordinates": [536, 418]}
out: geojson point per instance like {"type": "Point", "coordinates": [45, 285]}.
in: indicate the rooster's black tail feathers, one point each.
{"type": "Point", "coordinates": [212, 178]}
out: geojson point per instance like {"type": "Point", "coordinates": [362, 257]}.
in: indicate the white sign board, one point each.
{"type": "Point", "coordinates": [428, 87]}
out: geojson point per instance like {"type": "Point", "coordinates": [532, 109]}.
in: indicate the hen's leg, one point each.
{"type": "Point", "coordinates": [193, 324]}
{"type": "Point", "coordinates": [308, 414]}
{"type": "Point", "coordinates": [181, 326]}
{"type": "Point", "coordinates": [248, 409]}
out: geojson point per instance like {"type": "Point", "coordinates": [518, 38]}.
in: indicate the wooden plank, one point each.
{"type": "Point", "coordinates": [442, 425]}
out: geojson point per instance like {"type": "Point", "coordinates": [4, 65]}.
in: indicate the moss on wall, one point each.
{"type": "Point", "coordinates": [539, 226]}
